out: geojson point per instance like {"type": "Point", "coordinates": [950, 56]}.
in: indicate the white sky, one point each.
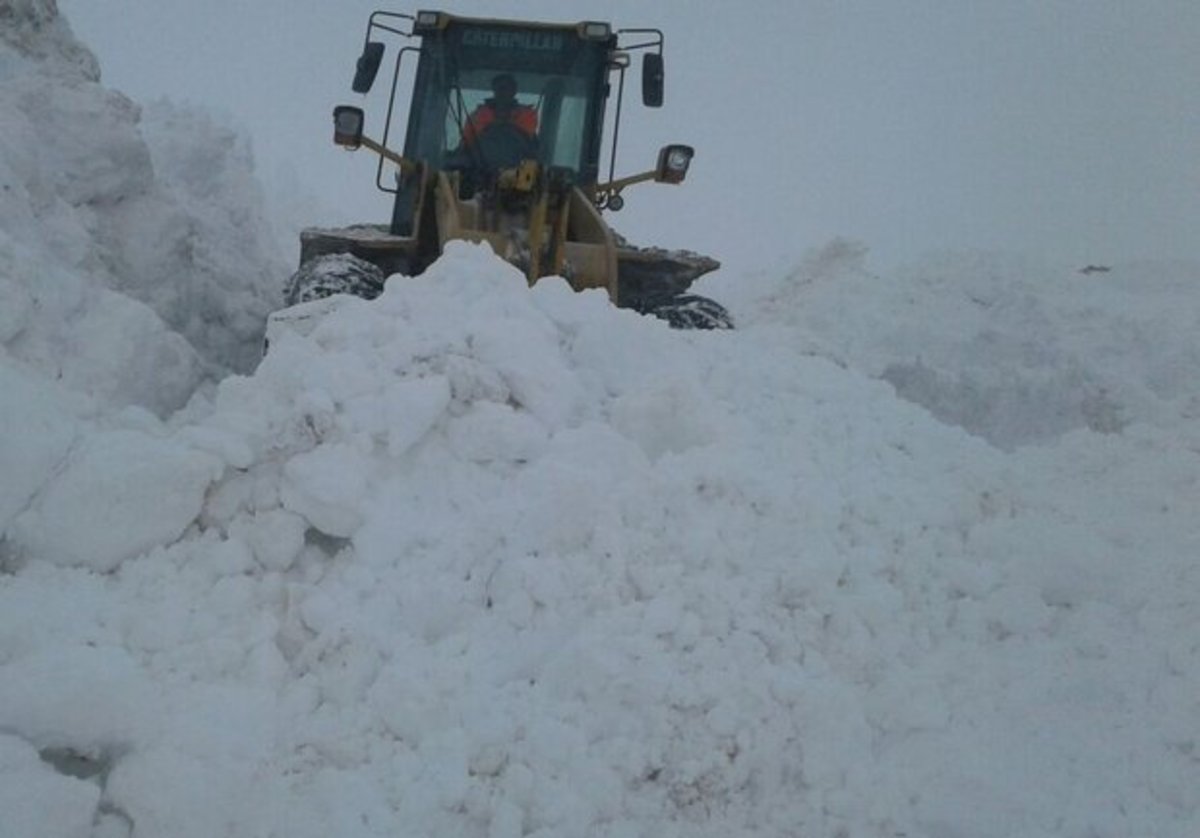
{"type": "Point", "coordinates": [1066, 130]}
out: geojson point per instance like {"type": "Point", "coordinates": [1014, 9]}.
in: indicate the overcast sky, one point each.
{"type": "Point", "coordinates": [1066, 130]}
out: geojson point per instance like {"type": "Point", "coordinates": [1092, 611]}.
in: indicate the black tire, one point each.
{"type": "Point", "coordinates": [334, 273]}
{"type": "Point", "coordinates": [691, 311]}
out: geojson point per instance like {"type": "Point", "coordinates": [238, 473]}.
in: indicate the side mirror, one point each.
{"type": "Point", "coordinates": [348, 126]}
{"type": "Point", "coordinates": [367, 67]}
{"type": "Point", "coordinates": [652, 80]}
{"type": "Point", "coordinates": [673, 162]}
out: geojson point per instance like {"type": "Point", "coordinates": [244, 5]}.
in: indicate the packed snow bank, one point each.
{"type": "Point", "coordinates": [1010, 350]}
{"type": "Point", "coordinates": [474, 559]}
{"type": "Point", "coordinates": [134, 262]}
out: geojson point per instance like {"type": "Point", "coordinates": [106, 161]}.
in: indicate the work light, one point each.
{"type": "Point", "coordinates": [673, 162]}
{"type": "Point", "coordinates": [347, 126]}
{"type": "Point", "coordinates": [595, 31]}
{"type": "Point", "coordinates": [426, 21]}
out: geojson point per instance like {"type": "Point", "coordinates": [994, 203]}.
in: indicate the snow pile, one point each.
{"type": "Point", "coordinates": [133, 263]}
{"type": "Point", "coordinates": [474, 559]}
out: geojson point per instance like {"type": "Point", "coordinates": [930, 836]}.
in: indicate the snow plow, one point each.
{"type": "Point", "coordinates": [503, 144]}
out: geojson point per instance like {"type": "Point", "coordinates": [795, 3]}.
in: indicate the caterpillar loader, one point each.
{"type": "Point", "coordinates": [503, 144]}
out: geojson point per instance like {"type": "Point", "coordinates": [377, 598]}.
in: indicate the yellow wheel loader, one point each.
{"type": "Point", "coordinates": [503, 144]}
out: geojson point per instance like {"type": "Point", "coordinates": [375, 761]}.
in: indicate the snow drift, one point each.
{"type": "Point", "coordinates": [910, 555]}
{"type": "Point", "coordinates": [135, 261]}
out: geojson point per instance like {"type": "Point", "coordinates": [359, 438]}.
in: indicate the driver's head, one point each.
{"type": "Point", "coordinates": [504, 88]}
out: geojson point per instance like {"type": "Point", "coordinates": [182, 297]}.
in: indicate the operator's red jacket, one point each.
{"type": "Point", "coordinates": [522, 116]}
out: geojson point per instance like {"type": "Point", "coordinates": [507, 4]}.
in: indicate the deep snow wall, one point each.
{"type": "Point", "coordinates": [135, 262]}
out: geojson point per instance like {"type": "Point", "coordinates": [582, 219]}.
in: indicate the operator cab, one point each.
{"type": "Point", "coordinates": [560, 74]}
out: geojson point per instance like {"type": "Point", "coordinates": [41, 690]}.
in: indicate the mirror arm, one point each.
{"type": "Point", "coordinates": [657, 42]}
{"type": "Point", "coordinates": [615, 186]}
{"type": "Point", "coordinates": [407, 167]}
{"type": "Point", "coordinates": [373, 23]}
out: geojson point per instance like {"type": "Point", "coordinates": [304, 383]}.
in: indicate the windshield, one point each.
{"type": "Point", "coordinates": [557, 103]}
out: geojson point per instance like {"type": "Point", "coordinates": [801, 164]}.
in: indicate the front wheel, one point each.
{"type": "Point", "coordinates": [334, 273]}
{"type": "Point", "coordinates": [691, 311]}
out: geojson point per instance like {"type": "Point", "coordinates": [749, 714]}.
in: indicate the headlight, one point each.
{"type": "Point", "coordinates": [595, 31]}
{"type": "Point", "coordinates": [673, 162]}
{"type": "Point", "coordinates": [679, 159]}
{"type": "Point", "coordinates": [426, 21]}
{"type": "Point", "coordinates": [347, 126]}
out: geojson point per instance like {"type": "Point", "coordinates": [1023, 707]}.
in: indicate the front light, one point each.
{"type": "Point", "coordinates": [426, 21]}
{"type": "Point", "coordinates": [347, 126]}
{"type": "Point", "coordinates": [595, 31]}
{"type": "Point", "coordinates": [678, 160]}
{"type": "Point", "coordinates": [673, 162]}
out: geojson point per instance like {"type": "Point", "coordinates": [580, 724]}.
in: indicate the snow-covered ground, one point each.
{"type": "Point", "coordinates": [903, 555]}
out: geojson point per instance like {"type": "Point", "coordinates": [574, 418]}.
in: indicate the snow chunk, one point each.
{"type": "Point", "coordinates": [326, 486]}
{"type": "Point", "coordinates": [94, 700]}
{"type": "Point", "coordinates": [16, 304]}
{"type": "Point", "coordinates": [276, 537]}
{"type": "Point", "coordinates": [668, 418]}
{"type": "Point", "coordinates": [38, 424]}
{"type": "Point", "coordinates": [36, 802]}
{"type": "Point", "coordinates": [121, 494]}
